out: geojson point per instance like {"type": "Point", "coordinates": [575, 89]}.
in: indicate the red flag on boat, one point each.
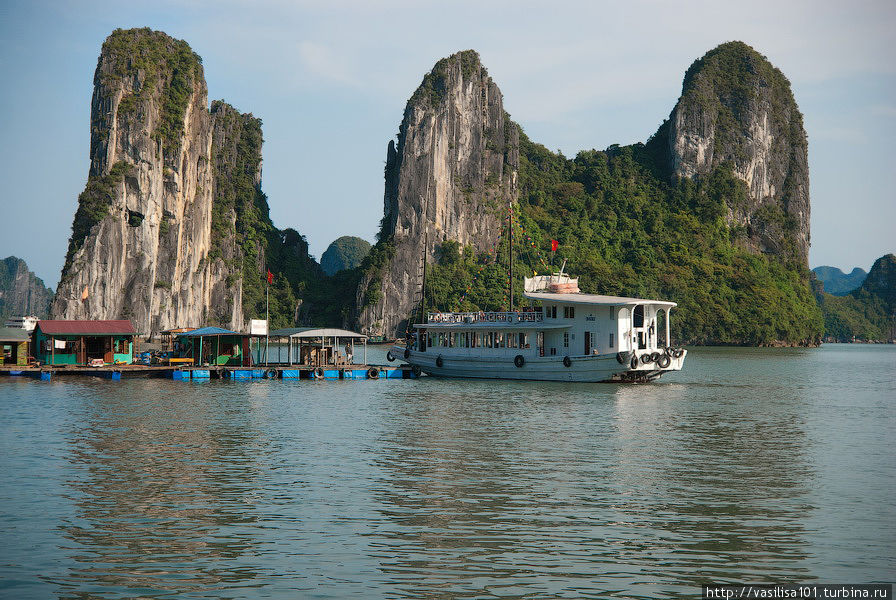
{"type": "Point", "coordinates": [554, 244]}
{"type": "Point", "coordinates": [270, 277]}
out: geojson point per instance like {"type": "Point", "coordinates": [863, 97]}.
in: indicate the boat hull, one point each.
{"type": "Point", "coordinates": [594, 369]}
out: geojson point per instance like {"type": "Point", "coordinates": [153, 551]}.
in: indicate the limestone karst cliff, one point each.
{"type": "Point", "coordinates": [712, 212]}
{"type": "Point", "coordinates": [172, 228]}
{"type": "Point", "coordinates": [737, 112]}
{"type": "Point", "coordinates": [451, 175]}
{"type": "Point", "coordinates": [21, 291]}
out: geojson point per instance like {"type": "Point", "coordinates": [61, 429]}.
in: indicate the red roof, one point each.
{"type": "Point", "coordinates": [122, 326]}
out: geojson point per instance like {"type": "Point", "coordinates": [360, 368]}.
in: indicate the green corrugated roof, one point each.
{"type": "Point", "coordinates": [14, 334]}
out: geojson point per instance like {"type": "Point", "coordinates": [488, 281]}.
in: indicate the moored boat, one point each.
{"type": "Point", "coordinates": [565, 336]}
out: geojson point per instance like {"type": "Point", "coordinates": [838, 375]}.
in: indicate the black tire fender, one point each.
{"type": "Point", "coordinates": [389, 356]}
{"type": "Point", "coordinates": [634, 363]}
{"type": "Point", "coordinates": [654, 357]}
{"type": "Point", "coordinates": [664, 361]}
{"type": "Point", "coordinates": [439, 361]}
{"type": "Point", "coordinates": [407, 352]}
{"type": "Point", "coordinates": [678, 353]}
{"type": "Point", "coordinates": [271, 374]}
{"type": "Point", "coordinates": [319, 373]}
{"type": "Point", "coordinates": [567, 362]}
{"type": "Point", "coordinates": [373, 373]}
{"type": "Point", "coordinates": [519, 360]}
{"type": "Point", "coordinates": [416, 370]}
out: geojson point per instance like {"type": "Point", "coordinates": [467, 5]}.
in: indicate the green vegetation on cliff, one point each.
{"type": "Point", "coordinates": [160, 63]}
{"type": "Point", "coordinates": [723, 82]}
{"type": "Point", "coordinates": [628, 229]}
{"type": "Point", "coordinates": [93, 206]}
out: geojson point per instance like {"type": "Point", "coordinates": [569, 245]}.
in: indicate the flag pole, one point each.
{"type": "Point", "coordinates": [267, 317]}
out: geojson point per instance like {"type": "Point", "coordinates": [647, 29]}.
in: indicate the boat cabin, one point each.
{"type": "Point", "coordinates": [563, 322]}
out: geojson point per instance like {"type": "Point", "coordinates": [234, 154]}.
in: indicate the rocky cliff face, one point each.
{"type": "Point", "coordinates": [451, 176]}
{"type": "Point", "coordinates": [151, 240]}
{"type": "Point", "coordinates": [21, 291]}
{"type": "Point", "coordinates": [737, 112]}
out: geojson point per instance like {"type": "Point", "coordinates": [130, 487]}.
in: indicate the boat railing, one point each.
{"type": "Point", "coordinates": [485, 317]}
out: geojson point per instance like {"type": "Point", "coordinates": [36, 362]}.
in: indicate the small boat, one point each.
{"type": "Point", "coordinates": [565, 336]}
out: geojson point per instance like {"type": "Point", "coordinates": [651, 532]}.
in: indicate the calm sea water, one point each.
{"type": "Point", "coordinates": [751, 465]}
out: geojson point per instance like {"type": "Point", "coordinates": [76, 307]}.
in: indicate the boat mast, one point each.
{"type": "Point", "coordinates": [425, 246]}
{"type": "Point", "coordinates": [510, 251]}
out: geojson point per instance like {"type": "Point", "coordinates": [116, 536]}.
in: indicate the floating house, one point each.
{"type": "Point", "coordinates": [83, 342]}
{"type": "Point", "coordinates": [14, 342]}
{"type": "Point", "coordinates": [316, 346]}
{"type": "Point", "coordinates": [167, 337]}
{"type": "Point", "coordinates": [214, 346]}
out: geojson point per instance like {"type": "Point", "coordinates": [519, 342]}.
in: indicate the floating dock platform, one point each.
{"type": "Point", "coordinates": [184, 373]}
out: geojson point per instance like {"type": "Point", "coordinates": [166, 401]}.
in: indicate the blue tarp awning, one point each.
{"type": "Point", "coordinates": [203, 331]}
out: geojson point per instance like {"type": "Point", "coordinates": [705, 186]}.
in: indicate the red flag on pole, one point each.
{"type": "Point", "coordinates": [554, 244]}
{"type": "Point", "coordinates": [270, 277]}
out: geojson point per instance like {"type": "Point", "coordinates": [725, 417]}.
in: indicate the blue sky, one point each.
{"type": "Point", "coordinates": [330, 81]}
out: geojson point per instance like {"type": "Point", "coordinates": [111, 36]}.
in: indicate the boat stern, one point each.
{"type": "Point", "coordinates": [647, 365]}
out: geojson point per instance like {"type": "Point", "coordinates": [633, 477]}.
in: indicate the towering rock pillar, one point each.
{"type": "Point", "coordinates": [142, 235]}
{"type": "Point", "coordinates": [452, 175]}
{"type": "Point", "coordinates": [737, 112]}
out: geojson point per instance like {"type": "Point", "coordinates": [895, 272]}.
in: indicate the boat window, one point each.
{"type": "Point", "coordinates": [551, 312]}
{"type": "Point", "coordinates": [611, 340]}
{"type": "Point", "coordinates": [639, 316]}
{"type": "Point", "coordinates": [511, 340]}
{"type": "Point", "coordinates": [566, 339]}
{"type": "Point", "coordinates": [524, 340]}
{"type": "Point", "coordinates": [569, 312]}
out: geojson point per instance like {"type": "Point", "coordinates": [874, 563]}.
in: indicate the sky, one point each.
{"type": "Point", "coordinates": [330, 80]}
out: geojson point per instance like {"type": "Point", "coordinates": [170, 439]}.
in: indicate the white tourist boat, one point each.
{"type": "Point", "coordinates": [565, 336]}
{"type": "Point", "coordinates": [28, 323]}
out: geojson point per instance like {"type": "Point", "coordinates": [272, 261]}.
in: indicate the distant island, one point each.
{"type": "Point", "coordinates": [344, 253]}
{"type": "Point", "coordinates": [867, 313]}
{"type": "Point", "coordinates": [838, 283]}
{"type": "Point", "coordinates": [21, 291]}
{"type": "Point", "coordinates": [173, 228]}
